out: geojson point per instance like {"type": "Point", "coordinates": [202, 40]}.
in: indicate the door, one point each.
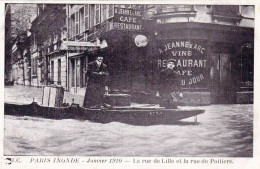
{"type": "Point", "coordinates": [225, 79]}
{"type": "Point", "coordinates": [221, 79]}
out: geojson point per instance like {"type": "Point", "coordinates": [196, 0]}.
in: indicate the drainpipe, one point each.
{"type": "Point", "coordinates": [67, 52]}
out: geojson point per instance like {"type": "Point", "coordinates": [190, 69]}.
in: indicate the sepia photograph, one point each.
{"type": "Point", "coordinates": [129, 80]}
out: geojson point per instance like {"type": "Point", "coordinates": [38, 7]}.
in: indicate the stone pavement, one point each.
{"type": "Point", "coordinates": [26, 94]}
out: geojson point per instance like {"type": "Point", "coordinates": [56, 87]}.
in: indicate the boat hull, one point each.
{"type": "Point", "coordinates": [135, 116]}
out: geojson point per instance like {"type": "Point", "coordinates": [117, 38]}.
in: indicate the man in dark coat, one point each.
{"type": "Point", "coordinates": [97, 83]}
{"type": "Point", "coordinates": [169, 86]}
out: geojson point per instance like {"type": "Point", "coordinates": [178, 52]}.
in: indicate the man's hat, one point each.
{"type": "Point", "coordinates": [171, 60]}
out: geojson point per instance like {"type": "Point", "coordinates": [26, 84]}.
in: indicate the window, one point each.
{"type": "Point", "coordinates": [34, 70]}
{"type": "Point", "coordinates": [77, 23]}
{"type": "Point", "coordinates": [110, 11]}
{"type": "Point", "coordinates": [97, 14]}
{"type": "Point", "coordinates": [59, 71]}
{"type": "Point", "coordinates": [52, 71]}
{"type": "Point", "coordinates": [86, 17]}
{"type": "Point", "coordinates": [81, 20]}
{"type": "Point", "coordinates": [91, 16]}
{"type": "Point", "coordinates": [104, 14]}
{"type": "Point", "coordinates": [69, 27]}
{"type": "Point", "coordinates": [247, 65]}
{"type": "Point", "coordinates": [72, 25]}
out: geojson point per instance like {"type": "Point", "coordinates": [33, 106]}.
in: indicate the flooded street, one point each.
{"type": "Point", "coordinates": [222, 131]}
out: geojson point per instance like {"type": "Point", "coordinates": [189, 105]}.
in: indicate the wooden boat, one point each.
{"type": "Point", "coordinates": [129, 115]}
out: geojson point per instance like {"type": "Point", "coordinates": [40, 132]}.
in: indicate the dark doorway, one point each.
{"type": "Point", "coordinates": [222, 84]}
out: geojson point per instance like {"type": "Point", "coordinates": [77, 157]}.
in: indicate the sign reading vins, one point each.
{"type": "Point", "coordinates": [127, 19]}
{"type": "Point", "coordinates": [190, 59]}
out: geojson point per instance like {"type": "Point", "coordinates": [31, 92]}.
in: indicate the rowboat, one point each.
{"type": "Point", "coordinates": [124, 114]}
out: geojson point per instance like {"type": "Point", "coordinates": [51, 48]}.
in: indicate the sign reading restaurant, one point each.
{"type": "Point", "coordinates": [190, 59]}
{"type": "Point", "coordinates": [127, 19]}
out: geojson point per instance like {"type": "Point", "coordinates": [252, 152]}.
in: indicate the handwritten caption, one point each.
{"type": "Point", "coordinates": [115, 160]}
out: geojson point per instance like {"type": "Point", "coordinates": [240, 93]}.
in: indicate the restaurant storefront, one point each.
{"type": "Point", "coordinates": [208, 59]}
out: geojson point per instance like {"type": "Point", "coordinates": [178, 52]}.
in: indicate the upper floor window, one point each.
{"type": "Point", "coordinates": [87, 17]}
{"type": "Point", "coordinates": [97, 14]}
{"type": "Point", "coordinates": [104, 9]}
{"type": "Point", "coordinates": [77, 22]}
{"type": "Point", "coordinates": [91, 15]}
{"type": "Point", "coordinates": [81, 20]}
{"type": "Point", "coordinates": [110, 11]}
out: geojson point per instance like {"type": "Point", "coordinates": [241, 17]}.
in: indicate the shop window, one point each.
{"type": "Point", "coordinates": [59, 71]}
{"type": "Point", "coordinates": [81, 20]}
{"type": "Point", "coordinates": [86, 17]}
{"type": "Point", "coordinates": [97, 14]}
{"type": "Point", "coordinates": [91, 16]}
{"type": "Point", "coordinates": [247, 65]}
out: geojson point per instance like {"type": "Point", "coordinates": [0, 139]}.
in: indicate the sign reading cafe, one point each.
{"type": "Point", "coordinates": [190, 60]}
{"type": "Point", "coordinates": [127, 19]}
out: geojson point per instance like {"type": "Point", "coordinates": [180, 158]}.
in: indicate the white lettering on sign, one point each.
{"type": "Point", "coordinates": [128, 19]}
{"type": "Point", "coordinates": [182, 44]}
{"type": "Point", "coordinates": [126, 26]}
{"type": "Point", "coordinates": [123, 11]}
{"type": "Point", "coordinates": [184, 63]}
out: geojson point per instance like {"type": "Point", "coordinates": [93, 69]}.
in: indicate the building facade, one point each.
{"type": "Point", "coordinates": [213, 48]}
{"type": "Point", "coordinates": [18, 19]}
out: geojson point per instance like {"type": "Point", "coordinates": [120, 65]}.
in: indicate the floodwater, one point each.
{"type": "Point", "coordinates": [222, 131]}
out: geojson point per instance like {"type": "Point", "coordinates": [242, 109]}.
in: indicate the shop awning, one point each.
{"type": "Point", "coordinates": [78, 46]}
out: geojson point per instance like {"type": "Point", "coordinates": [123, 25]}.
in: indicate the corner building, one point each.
{"type": "Point", "coordinates": [212, 47]}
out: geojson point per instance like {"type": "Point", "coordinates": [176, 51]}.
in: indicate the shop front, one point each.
{"type": "Point", "coordinates": [77, 55]}
{"type": "Point", "coordinates": [207, 59]}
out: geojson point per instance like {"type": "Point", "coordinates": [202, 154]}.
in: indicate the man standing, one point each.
{"type": "Point", "coordinates": [96, 83]}
{"type": "Point", "coordinates": [169, 86]}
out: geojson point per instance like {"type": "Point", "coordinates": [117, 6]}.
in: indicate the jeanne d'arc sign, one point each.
{"type": "Point", "coordinates": [190, 59]}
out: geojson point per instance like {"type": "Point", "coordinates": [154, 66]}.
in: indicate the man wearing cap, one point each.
{"type": "Point", "coordinates": [169, 86]}
{"type": "Point", "coordinates": [96, 82]}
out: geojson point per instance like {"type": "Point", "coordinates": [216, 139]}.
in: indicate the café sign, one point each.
{"type": "Point", "coordinates": [127, 19]}
{"type": "Point", "coordinates": [190, 60]}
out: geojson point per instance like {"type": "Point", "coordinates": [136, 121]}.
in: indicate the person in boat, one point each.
{"type": "Point", "coordinates": [96, 83]}
{"type": "Point", "coordinates": [169, 86]}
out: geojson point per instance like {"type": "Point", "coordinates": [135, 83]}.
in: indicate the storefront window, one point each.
{"type": "Point", "coordinates": [247, 65]}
